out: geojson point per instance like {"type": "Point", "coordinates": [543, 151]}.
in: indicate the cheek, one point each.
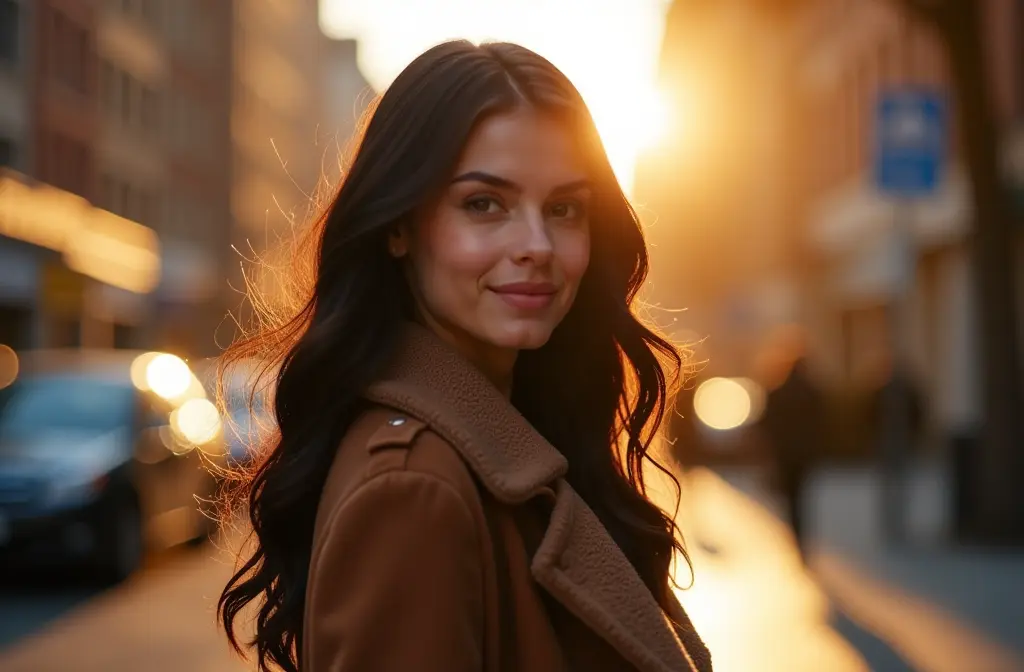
{"type": "Point", "coordinates": [574, 254]}
{"type": "Point", "coordinates": [450, 252]}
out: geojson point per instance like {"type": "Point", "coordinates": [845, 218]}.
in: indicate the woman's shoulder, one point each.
{"type": "Point", "coordinates": [399, 525]}
{"type": "Point", "coordinates": [386, 449]}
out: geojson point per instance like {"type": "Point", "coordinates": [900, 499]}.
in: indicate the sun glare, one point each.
{"type": "Point", "coordinates": [608, 48]}
{"type": "Point", "coordinates": [653, 119]}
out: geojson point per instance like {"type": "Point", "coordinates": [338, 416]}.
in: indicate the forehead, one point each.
{"type": "Point", "coordinates": [525, 146]}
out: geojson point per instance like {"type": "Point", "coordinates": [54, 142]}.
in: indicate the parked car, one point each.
{"type": "Point", "coordinates": [104, 455]}
{"type": "Point", "coordinates": [246, 404]}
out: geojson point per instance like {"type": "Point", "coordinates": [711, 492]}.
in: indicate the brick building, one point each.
{"type": "Point", "coordinates": [165, 74]}
{"type": "Point", "coordinates": [72, 272]}
{"type": "Point", "coordinates": [846, 52]}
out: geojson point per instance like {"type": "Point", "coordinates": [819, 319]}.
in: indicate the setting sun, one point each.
{"type": "Point", "coordinates": [653, 120]}
{"type": "Point", "coordinates": [609, 48]}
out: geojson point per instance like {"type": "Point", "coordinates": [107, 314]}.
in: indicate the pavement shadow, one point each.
{"type": "Point", "coordinates": [877, 653]}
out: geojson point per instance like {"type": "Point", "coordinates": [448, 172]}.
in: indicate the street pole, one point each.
{"type": "Point", "coordinates": [898, 435]}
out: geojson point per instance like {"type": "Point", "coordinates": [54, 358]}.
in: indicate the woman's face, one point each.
{"type": "Point", "coordinates": [496, 263]}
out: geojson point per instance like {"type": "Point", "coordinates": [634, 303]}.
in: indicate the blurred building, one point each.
{"type": "Point", "coordinates": [71, 271]}
{"type": "Point", "coordinates": [156, 145]}
{"type": "Point", "coordinates": [163, 154]}
{"type": "Point", "coordinates": [278, 149]}
{"type": "Point", "coordinates": [761, 206]}
{"type": "Point", "coordinates": [17, 282]}
{"type": "Point", "coordinates": [15, 122]}
{"type": "Point", "coordinates": [847, 52]}
{"type": "Point", "coordinates": [716, 194]}
{"type": "Point", "coordinates": [346, 94]}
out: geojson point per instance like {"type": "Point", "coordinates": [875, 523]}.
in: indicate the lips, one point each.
{"type": "Point", "coordinates": [527, 295]}
{"type": "Point", "coordinates": [527, 288]}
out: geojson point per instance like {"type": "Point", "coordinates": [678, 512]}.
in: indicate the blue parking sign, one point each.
{"type": "Point", "coordinates": [910, 142]}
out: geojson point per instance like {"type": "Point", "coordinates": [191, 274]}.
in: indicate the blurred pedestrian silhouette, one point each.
{"type": "Point", "coordinates": [896, 426]}
{"type": "Point", "coordinates": [793, 425]}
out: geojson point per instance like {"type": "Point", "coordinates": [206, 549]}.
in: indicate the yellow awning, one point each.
{"type": "Point", "coordinates": [94, 242]}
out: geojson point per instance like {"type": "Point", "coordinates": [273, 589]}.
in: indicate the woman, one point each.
{"type": "Point", "coordinates": [443, 494]}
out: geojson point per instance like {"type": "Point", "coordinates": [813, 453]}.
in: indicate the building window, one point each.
{"type": "Point", "coordinates": [124, 200]}
{"type": "Point", "coordinates": [66, 164]}
{"type": "Point", "coordinates": [149, 12]}
{"type": "Point", "coordinates": [9, 25]}
{"type": "Point", "coordinates": [1019, 34]}
{"type": "Point", "coordinates": [126, 98]}
{"type": "Point", "coordinates": [109, 87]}
{"type": "Point", "coordinates": [7, 152]}
{"type": "Point", "coordinates": [128, 101]}
{"type": "Point", "coordinates": [124, 336]}
{"type": "Point", "coordinates": [69, 51]}
{"type": "Point", "coordinates": [145, 207]}
{"type": "Point", "coordinates": [150, 109]}
{"type": "Point", "coordinates": [108, 193]}
{"type": "Point", "coordinates": [127, 199]}
{"type": "Point", "coordinates": [16, 326]}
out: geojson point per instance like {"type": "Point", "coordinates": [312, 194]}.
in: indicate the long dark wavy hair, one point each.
{"type": "Point", "coordinates": [597, 390]}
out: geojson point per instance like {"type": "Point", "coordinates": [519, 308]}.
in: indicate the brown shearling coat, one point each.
{"type": "Point", "coordinates": [447, 539]}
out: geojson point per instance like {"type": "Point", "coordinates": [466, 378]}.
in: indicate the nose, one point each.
{"type": "Point", "coordinates": [532, 240]}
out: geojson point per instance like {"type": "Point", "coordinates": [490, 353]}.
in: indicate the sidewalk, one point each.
{"type": "Point", "coordinates": [925, 610]}
{"type": "Point", "coordinates": [752, 601]}
{"type": "Point", "coordinates": [944, 607]}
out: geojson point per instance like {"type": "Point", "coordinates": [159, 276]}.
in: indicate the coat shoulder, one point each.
{"type": "Point", "coordinates": [397, 506]}
{"type": "Point", "coordinates": [383, 440]}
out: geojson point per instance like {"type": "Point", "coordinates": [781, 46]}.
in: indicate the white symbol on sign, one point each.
{"type": "Point", "coordinates": [908, 128]}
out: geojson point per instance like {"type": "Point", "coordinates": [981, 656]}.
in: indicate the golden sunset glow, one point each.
{"type": "Point", "coordinates": [608, 48]}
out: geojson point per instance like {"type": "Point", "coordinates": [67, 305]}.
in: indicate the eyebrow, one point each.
{"type": "Point", "coordinates": [502, 183]}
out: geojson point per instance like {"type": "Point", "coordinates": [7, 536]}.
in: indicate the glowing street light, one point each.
{"type": "Point", "coordinates": [197, 421]}
{"type": "Point", "coordinates": [168, 376]}
{"type": "Point", "coordinates": [722, 403]}
{"type": "Point", "coordinates": [8, 365]}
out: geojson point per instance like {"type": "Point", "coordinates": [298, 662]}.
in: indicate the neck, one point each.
{"type": "Point", "coordinates": [495, 363]}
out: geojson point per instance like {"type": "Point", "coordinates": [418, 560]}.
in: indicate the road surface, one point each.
{"type": "Point", "coordinates": [753, 602]}
{"type": "Point", "coordinates": [756, 607]}
{"type": "Point", "coordinates": [162, 620]}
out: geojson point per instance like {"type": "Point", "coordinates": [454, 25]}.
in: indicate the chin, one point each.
{"type": "Point", "coordinates": [521, 334]}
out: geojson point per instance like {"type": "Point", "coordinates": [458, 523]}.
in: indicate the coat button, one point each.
{"type": "Point", "coordinates": [396, 422]}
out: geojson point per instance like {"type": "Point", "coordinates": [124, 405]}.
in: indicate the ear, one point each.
{"type": "Point", "coordinates": [398, 241]}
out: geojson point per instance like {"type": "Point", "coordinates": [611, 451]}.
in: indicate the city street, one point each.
{"type": "Point", "coordinates": [934, 609]}
{"type": "Point", "coordinates": [749, 588]}
{"type": "Point", "coordinates": [161, 620]}
{"type": "Point", "coordinates": [753, 602]}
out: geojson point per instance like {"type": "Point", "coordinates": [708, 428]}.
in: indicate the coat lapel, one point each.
{"type": "Point", "coordinates": [576, 562]}
{"type": "Point", "coordinates": [579, 564]}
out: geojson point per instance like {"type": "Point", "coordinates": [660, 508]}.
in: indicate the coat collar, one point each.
{"type": "Point", "coordinates": [431, 381]}
{"type": "Point", "coordinates": [576, 562]}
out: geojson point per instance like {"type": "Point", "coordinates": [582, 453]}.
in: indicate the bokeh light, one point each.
{"type": "Point", "coordinates": [8, 365]}
{"type": "Point", "coordinates": [197, 421]}
{"type": "Point", "coordinates": [139, 370]}
{"type": "Point", "coordinates": [758, 398]}
{"type": "Point", "coordinates": [168, 376]}
{"type": "Point", "coordinates": [722, 403]}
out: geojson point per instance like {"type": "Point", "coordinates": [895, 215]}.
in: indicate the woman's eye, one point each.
{"type": "Point", "coordinates": [566, 210]}
{"type": "Point", "coordinates": [483, 205]}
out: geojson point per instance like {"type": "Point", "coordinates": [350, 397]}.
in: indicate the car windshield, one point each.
{"type": "Point", "coordinates": [241, 401]}
{"type": "Point", "coordinates": [68, 403]}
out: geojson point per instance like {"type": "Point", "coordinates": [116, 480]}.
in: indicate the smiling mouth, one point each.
{"type": "Point", "coordinates": [527, 295]}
